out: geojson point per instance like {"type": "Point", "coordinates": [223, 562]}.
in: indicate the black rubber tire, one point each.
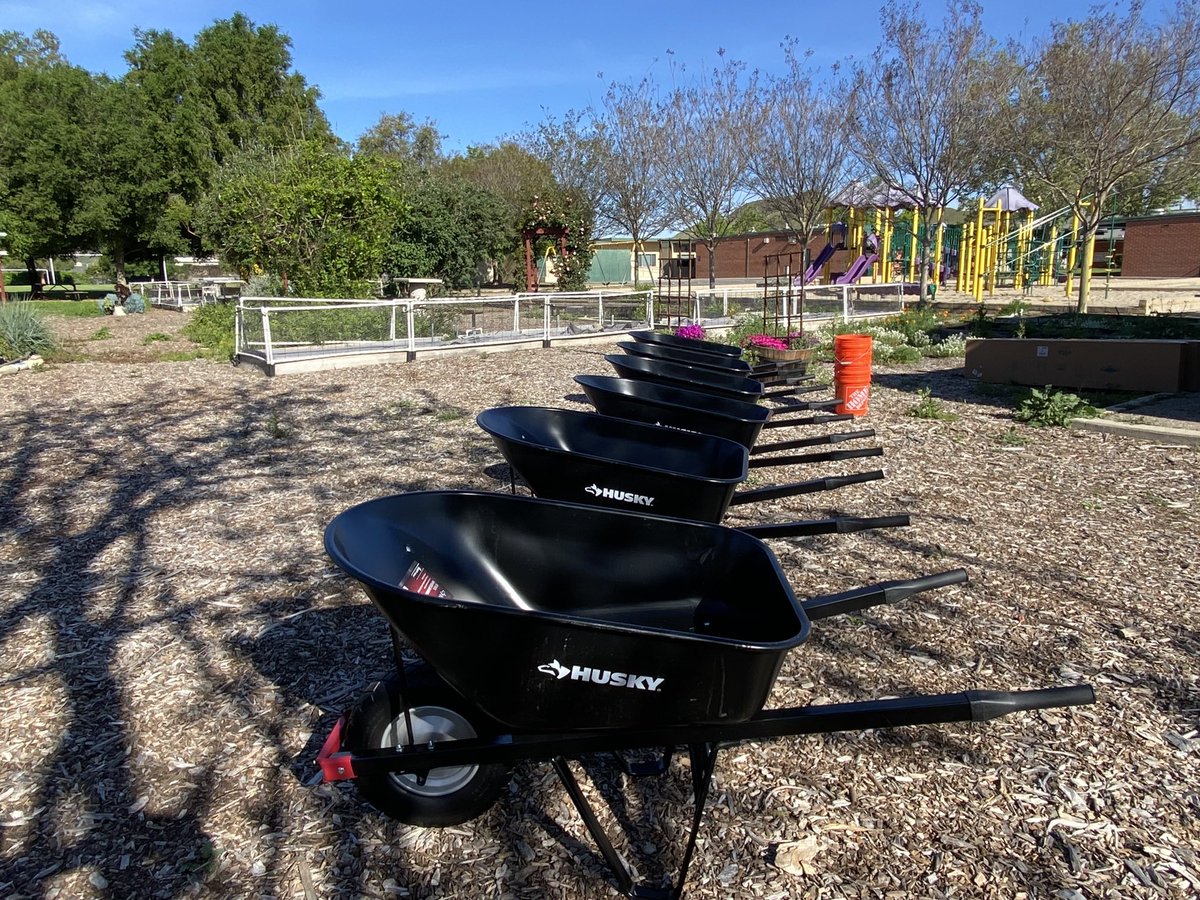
{"type": "Point", "coordinates": [449, 796]}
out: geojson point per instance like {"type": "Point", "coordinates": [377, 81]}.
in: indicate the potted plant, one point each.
{"type": "Point", "coordinates": [796, 347]}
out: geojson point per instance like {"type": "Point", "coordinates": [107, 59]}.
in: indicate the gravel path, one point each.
{"type": "Point", "coordinates": [175, 646]}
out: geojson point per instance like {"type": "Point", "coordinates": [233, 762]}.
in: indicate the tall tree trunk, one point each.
{"type": "Point", "coordinates": [712, 262]}
{"type": "Point", "coordinates": [118, 258]}
{"type": "Point", "coordinates": [1085, 266]}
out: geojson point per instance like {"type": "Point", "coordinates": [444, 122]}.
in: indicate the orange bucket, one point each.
{"type": "Point", "coordinates": [852, 373]}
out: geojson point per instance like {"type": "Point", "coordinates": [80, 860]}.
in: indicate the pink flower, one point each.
{"type": "Point", "coordinates": [691, 332]}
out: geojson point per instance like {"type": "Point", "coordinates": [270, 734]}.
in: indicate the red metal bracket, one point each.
{"type": "Point", "coordinates": [335, 765]}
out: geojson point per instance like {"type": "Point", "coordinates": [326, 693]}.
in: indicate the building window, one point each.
{"type": "Point", "coordinates": [647, 260]}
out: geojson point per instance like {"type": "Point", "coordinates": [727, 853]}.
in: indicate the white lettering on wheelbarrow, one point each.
{"type": "Point", "coordinates": [602, 676]}
{"type": "Point", "coordinates": [623, 496]}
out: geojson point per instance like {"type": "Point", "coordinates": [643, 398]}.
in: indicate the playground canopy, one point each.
{"type": "Point", "coordinates": [1009, 199]}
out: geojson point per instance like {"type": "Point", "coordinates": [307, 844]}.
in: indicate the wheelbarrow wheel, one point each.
{"type": "Point", "coordinates": [445, 796]}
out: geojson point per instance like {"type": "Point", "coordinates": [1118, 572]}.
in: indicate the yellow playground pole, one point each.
{"type": "Point", "coordinates": [1049, 257]}
{"type": "Point", "coordinates": [911, 274]}
{"type": "Point", "coordinates": [1071, 253]}
{"type": "Point", "coordinates": [964, 257]}
{"type": "Point", "coordinates": [980, 240]}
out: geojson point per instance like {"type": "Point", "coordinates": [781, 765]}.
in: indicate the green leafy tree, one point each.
{"type": "Point", "coordinates": [398, 136]}
{"type": "Point", "coordinates": [244, 72]}
{"type": "Point", "coordinates": [455, 230]}
{"type": "Point", "coordinates": [44, 147]}
{"type": "Point", "coordinates": [312, 214]}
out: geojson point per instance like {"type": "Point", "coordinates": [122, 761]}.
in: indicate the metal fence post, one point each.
{"type": "Point", "coordinates": [268, 350]}
{"type": "Point", "coordinates": [392, 324]}
{"type": "Point", "coordinates": [600, 308]}
{"type": "Point", "coordinates": [410, 321]}
{"type": "Point", "coordinates": [237, 329]}
{"type": "Point", "coordinates": [845, 303]}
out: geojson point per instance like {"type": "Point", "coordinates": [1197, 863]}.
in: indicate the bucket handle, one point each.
{"type": "Point", "coordinates": [811, 486]}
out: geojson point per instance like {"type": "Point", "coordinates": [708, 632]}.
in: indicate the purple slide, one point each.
{"type": "Point", "coordinates": [858, 269]}
{"type": "Point", "coordinates": [815, 267]}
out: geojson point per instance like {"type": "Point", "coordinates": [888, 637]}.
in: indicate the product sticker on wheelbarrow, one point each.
{"type": "Point", "coordinates": [418, 580]}
{"type": "Point", "coordinates": [602, 676]}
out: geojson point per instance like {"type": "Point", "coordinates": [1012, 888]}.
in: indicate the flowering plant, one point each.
{"type": "Point", "coordinates": [691, 332]}
{"type": "Point", "coordinates": [765, 340]}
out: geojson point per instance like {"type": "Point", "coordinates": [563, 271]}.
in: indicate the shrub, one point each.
{"type": "Point", "coordinates": [955, 345]}
{"type": "Point", "coordinates": [23, 331]}
{"type": "Point", "coordinates": [135, 303]}
{"type": "Point", "coordinates": [211, 326]}
{"type": "Point", "coordinates": [928, 408]}
{"type": "Point", "coordinates": [691, 332]}
{"type": "Point", "coordinates": [1051, 407]}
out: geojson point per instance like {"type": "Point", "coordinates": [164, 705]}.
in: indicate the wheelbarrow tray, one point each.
{"type": "Point", "coordinates": [582, 457]}
{"type": "Point", "coordinates": [706, 381]}
{"type": "Point", "coordinates": [729, 364]}
{"type": "Point", "coordinates": [677, 407]}
{"type": "Point", "coordinates": [670, 340]}
{"type": "Point", "coordinates": [557, 616]}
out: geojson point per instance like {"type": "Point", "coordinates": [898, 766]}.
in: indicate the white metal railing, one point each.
{"type": "Point", "coordinates": [274, 330]}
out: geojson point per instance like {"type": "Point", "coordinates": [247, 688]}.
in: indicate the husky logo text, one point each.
{"type": "Point", "coordinates": [602, 676]}
{"type": "Point", "coordinates": [623, 496]}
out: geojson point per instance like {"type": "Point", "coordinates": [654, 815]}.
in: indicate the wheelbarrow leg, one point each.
{"type": "Point", "coordinates": [615, 864]}
{"type": "Point", "coordinates": [704, 760]}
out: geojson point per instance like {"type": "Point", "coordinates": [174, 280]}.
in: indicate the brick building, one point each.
{"type": "Point", "coordinates": [1161, 246]}
{"type": "Point", "coordinates": [746, 256]}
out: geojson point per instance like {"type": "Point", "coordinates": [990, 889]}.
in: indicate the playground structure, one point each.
{"type": "Point", "coordinates": [1005, 243]}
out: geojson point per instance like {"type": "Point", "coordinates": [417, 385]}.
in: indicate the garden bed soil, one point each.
{"type": "Point", "coordinates": [176, 645]}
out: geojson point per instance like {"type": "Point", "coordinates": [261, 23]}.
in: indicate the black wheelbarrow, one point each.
{"type": "Point", "coordinates": [688, 410]}
{"type": "Point", "coordinates": [727, 364]}
{"type": "Point", "coordinates": [706, 381]}
{"type": "Point", "coordinates": [670, 340]}
{"type": "Point", "coordinates": [583, 457]}
{"type": "Point", "coordinates": [553, 630]}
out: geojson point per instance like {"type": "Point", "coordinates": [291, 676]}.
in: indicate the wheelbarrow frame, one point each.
{"type": "Point", "coordinates": [703, 737]}
{"type": "Point", "coordinates": [583, 457]}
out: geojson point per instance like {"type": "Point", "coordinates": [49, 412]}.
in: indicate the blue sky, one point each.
{"type": "Point", "coordinates": [485, 70]}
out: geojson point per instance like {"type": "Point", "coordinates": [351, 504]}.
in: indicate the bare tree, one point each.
{"type": "Point", "coordinates": [1108, 103]}
{"type": "Point", "coordinates": [925, 110]}
{"type": "Point", "coordinates": [636, 200]}
{"type": "Point", "coordinates": [800, 163]}
{"type": "Point", "coordinates": [707, 121]}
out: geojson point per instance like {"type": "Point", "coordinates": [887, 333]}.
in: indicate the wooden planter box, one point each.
{"type": "Point", "coordinates": [802, 355]}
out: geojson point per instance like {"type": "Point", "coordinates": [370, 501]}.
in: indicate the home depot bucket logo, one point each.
{"type": "Point", "coordinates": [622, 496]}
{"type": "Point", "coordinates": [858, 399]}
{"type": "Point", "coordinates": [602, 676]}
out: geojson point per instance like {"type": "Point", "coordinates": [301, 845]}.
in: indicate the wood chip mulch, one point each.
{"type": "Point", "coordinates": [176, 645]}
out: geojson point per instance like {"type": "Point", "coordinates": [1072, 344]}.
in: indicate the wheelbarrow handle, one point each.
{"type": "Point", "coordinates": [811, 405]}
{"type": "Point", "coordinates": [805, 420]}
{"type": "Point", "coordinates": [767, 462]}
{"type": "Point", "coordinates": [812, 486]}
{"type": "Point", "coordinates": [839, 525]}
{"type": "Point", "coordinates": [774, 395]}
{"type": "Point", "coordinates": [987, 705]}
{"type": "Point", "coordinates": [874, 595]}
{"type": "Point", "coordinates": [813, 441]}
